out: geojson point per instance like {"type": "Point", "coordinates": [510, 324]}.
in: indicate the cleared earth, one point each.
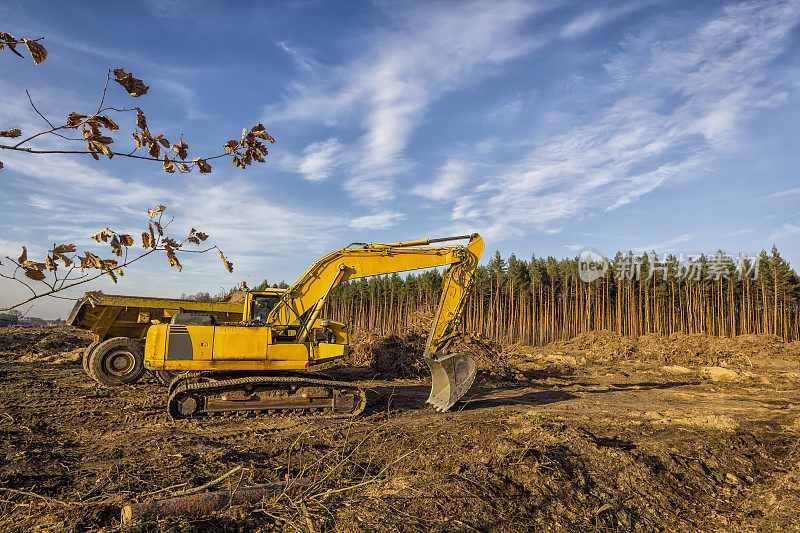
{"type": "Point", "coordinates": [600, 433]}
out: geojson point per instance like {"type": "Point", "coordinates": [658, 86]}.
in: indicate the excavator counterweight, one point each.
{"type": "Point", "coordinates": [259, 364]}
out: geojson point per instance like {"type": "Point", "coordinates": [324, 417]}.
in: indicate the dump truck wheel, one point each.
{"type": "Point", "coordinates": [85, 359]}
{"type": "Point", "coordinates": [164, 377]}
{"type": "Point", "coordinates": [117, 361]}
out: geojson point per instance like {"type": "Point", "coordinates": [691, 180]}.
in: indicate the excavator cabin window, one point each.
{"type": "Point", "coordinates": [261, 305]}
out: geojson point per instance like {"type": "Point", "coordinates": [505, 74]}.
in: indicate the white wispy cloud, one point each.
{"type": "Point", "coordinates": [377, 221]}
{"type": "Point", "coordinates": [682, 101]}
{"type": "Point", "coordinates": [787, 229]}
{"type": "Point", "coordinates": [450, 179]}
{"type": "Point", "coordinates": [301, 59]}
{"type": "Point", "coordinates": [319, 159]}
{"type": "Point", "coordinates": [594, 18]}
{"type": "Point", "coordinates": [386, 91]}
{"type": "Point", "coordinates": [507, 109]}
{"type": "Point", "coordinates": [782, 194]}
{"type": "Point", "coordinates": [667, 245]}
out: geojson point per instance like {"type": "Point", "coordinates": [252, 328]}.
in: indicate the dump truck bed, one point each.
{"type": "Point", "coordinates": [130, 316]}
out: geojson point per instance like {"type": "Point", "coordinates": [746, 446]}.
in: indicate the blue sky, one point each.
{"type": "Point", "coordinates": [546, 126]}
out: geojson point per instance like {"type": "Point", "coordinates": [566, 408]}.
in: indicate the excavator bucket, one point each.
{"type": "Point", "coordinates": [452, 375]}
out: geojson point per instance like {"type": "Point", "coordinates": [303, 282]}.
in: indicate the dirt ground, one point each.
{"type": "Point", "coordinates": [600, 433]}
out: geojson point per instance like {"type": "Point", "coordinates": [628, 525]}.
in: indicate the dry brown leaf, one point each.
{"type": "Point", "coordinates": [231, 146]}
{"type": "Point", "coordinates": [141, 120]}
{"type": "Point", "coordinates": [202, 165]}
{"type": "Point", "coordinates": [202, 236]}
{"type": "Point", "coordinates": [49, 263]}
{"type": "Point", "coordinates": [115, 246]}
{"type": "Point", "coordinates": [237, 162]}
{"type": "Point", "coordinates": [33, 265]}
{"type": "Point", "coordinates": [136, 140]}
{"type": "Point", "coordinates": [103, 148]}
{"type": "Point", "coordinates": [155, 149]}
{"type": "Point", "coordinates": [74, 119]}
{"type": "Point", "coordinates": [180, 149]}
{"type": "Point", "coordinates": [173, 259]}
{"type": "Point", "coordinates": [228, 264]}
{"type": "Point", "coordinates": [1, 164]}
{"type": "Point", "coordinates": [147, 240]}
{"type": "Point", "coordinates": [159, 229]}
{"type": "Point", "coordinates": [33, 274]}
{"type": "Point", "coordinates": [258, 131]}
{"type": "Point", "coordinates": [13, 133]}
{"type": "Point", "coordinates": [93, 260]}
{"type": "Point", "coordinates": [10, 41]}
{"type": "Point", "coordinates": [102, 235]}
{"type": "Point", "coordinates": [193, 240]}
{"type": "Point", "coordinates": [126, 240]}
{"type": "Point", "coordinates": [183, 166]}
{"type": "Point", "coordinates": [23, 256]}
{"type": "Point", "coordinates": [107, 122]}
{"type": "Point", "coordinates": [169, 166]}
{"type": "Point", "coordinates": [64, 248]}
{"type": "Point", "coordinates": [38, 53]}
{"type": "Point", "coordinates": [134, 86]}
{"type": "Point", "coordinates": [94, 297]}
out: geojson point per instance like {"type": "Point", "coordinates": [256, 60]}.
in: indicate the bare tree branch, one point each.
{"type": "Point", "coordinates": [154, 239]}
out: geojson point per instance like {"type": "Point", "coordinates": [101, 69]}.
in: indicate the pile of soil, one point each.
{"type": "Point", "coordinates": [400, 356]}
{"type": "Point", "coordinates": [677, 348]}
{"type": "Point", "coordinates": [46, 344]}
{"type": "Point", "coordinates": [392, 356]}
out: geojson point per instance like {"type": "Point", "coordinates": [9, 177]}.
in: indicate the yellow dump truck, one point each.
{"type": "Point", "coordinates": [119, 325]}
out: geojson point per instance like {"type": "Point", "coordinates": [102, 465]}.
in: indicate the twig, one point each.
{"type": "Point", "coordinates": [37, 111]}
{"type": "Point", "coordinates": [162, 490]}
{"type": "Point", "coordinates": [309, 522]}
{"type": "Point", "coordinates": [45, 498]}
{"type": "Point", "coordinates": [32, 151]}
{"type": "Point", "coordinates": [103, 98]}
{"type": "Point", "coordinates": [223, 477]}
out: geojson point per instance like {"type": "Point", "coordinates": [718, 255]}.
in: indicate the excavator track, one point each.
{"type": "Point", "coordinates": [207, 395]}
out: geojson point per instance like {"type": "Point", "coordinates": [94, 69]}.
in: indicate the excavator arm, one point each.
{"type": "Point", "coordinates": [451, 374]}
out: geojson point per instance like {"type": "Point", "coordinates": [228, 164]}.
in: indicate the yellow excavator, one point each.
{"type": "Point", "coordinates": [259, 365]}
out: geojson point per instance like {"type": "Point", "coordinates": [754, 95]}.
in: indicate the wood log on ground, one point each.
{"type": "Point", "coordinates": [198, 505]}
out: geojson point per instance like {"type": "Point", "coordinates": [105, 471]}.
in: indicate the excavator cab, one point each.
{"type": "Point", "coordinates": [259, 304]}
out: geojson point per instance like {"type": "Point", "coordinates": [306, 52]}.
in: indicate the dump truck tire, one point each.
{"type": "Point", "coordinates": [85, 359]}
{"type": "Point", "coordinates": [117, 361]}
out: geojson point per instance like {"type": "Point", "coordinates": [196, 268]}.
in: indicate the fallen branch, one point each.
{"type": "Point", "coordinates": [198, 505]}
